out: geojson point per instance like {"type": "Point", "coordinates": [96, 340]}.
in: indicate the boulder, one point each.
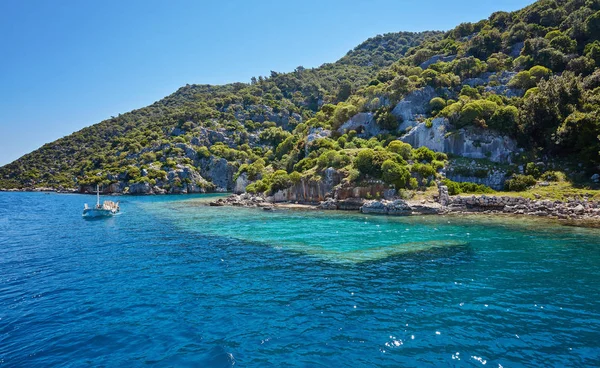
{"type": "Point", "coordinates": [384, 207]}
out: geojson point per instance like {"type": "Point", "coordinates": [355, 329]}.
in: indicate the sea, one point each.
{"type": "Point", "coordinates": [173, 282]}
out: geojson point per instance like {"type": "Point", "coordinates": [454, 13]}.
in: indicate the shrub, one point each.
{"type": "Point", "coordinates": [343, 113]}
{"type": "Point", "coordinates": [369, 161]}
{"type": "Point", "coordinates": [401, 148]}
{"type": "Point", "coordinates": [532, 169]}
{"type": "Point", "coordinates": [455, 188]}
{"type": "Point", "coordinates": [424, 170]}
{"type": "Point", "coordinates": [304, 164]}
{"type": "Point", "coordinates": [386, 120]}
{"type": "Point", "coordinates": [333, 159]}
{"type": "Point", "coordinates": [423, 154]}
{"type": "Point", "coordinates": [203, 152]}
{"type": "Point", "coordinates": [556, 176]}
{"type": "Point", "coordinates": [280, 180]}
{"type": "Point", "coordinates": [395, 174]}
{"type": "Point", "coordinates": [258, 186]}
{"type": "Point", "coordinates": [437, 104]}
{"type": "Point", "coordinates": [519, 183]}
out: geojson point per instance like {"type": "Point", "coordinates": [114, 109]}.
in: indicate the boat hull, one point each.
{"type": "Point", "coordinates": [98, 212]}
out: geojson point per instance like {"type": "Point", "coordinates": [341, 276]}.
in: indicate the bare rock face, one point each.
{"type": "Point", "coordinates": [183, 180]}
{"type": "Point", "coordinates": [308, 191]}
{"type": "Point", "coordinates": [415, 103]}
{"type": "Point", "coordinates": [434, 59]}
{"type": "Point", "coordinates": [139, 188]}
{"type": "Point", "coordinates": [241, 183]}
{"type": "Point", "coordinates": [242, 200]}
{"type": "Point", "coordinates": [363, 123]}
{"type": "Point", "coordinates": [219, 172]}
{"type": "Point", "coordinates": [330, 205]}
{"type": "Point", "coordinates": [468, 142]}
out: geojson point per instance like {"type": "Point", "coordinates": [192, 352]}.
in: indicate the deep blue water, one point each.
{"type": "Point", "coordinates": [170, 282]}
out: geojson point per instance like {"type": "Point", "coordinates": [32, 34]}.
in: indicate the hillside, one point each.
{"type": "Point", "coordinates": [507, 102]}
{"type": "Point", "coordinates": [236, 110]}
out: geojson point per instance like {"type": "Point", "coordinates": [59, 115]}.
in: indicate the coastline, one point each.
{"type": "Point", "coordinates": [577, 213]}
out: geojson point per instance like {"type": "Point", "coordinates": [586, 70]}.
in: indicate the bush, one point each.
{"type": "Point", "coordinates": [424, 170]}
{"type": "Point", "coordinates": [455, 188]}
{"type": "Point", "coordinates": [401, 148]}
{"type": "Point", "coordinates": [556, 176]}
{"type": "Point", "coordinates": [259, 186]}
{"type": "Point", "coordinates": [532, 169]}
{"type": "Point", "coordinates": [386, 120]}
{"type": "Point", "coordinates": [203, 152]}
{"type": "Point", "coordinates": [519, 183]}
{"type": "Point", "coordinates": [369, 162]}
{"type": "Point", "coordinates": [395, 174]}
{"type": "Point", "coordinates": [437, 104]}
{"type": "Point", "coordinates": [333, 159]}
{"type": "Point", "coordinates": [305, 164]}
{"type": "Point", "coordinates": [280, 180]}
{"type": "Point", "coordinates": [343, 113]}
{"type": "Point", "coordinates": [424, 154]}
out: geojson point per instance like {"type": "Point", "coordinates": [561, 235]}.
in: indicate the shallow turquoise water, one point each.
{"type": "Point", "coordinates": [172, 282]}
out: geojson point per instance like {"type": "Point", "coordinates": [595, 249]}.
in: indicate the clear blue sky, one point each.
{"type": "Point", "coordinates": [69, 64]}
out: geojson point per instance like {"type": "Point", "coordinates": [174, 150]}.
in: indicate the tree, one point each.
{"type": "Point", "coordinates": [369, 161]}
{"type": "Point", "coordinates": [395, 174]}
{"type": "Point", "coordinates": [592, 26]}
{"type": "Point", "coordinates": [504, 119]}
{"type": "Point", "coordinates": [578, 134]}
{"type": "Point", "coordinates": [344, 91]}
{"type": "Point", "coordinates": [542, 112]}
{"type": "Point", "coordinates": [564, 44]}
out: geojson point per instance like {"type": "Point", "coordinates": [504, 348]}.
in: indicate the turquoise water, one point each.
{"type": "Point", "coordinates": [171, 282]}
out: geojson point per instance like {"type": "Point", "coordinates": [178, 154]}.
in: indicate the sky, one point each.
{"type": "Point", "coordinates": [68, 64]}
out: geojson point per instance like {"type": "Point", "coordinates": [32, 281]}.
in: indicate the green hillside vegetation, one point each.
{"type": "Point", "coordinates": [146, 137]}
{"type": "Point", "coordinates": [531, 74]}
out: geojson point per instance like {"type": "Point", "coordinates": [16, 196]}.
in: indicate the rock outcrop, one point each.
{"type": "Point", "coordinates": [385, 207]}
{"type": "Point", "coordinates": [313, 135]}
{"type": "Point", "coordinates": [363, 123]}
{"type": "Point", "coordinates": [241, 183]}
{"type": "Point", "coordinates": [415, 103]}
{"type": "Point", "coordinates": [219, 172]}
{"type": "Point", "coordinates": [242, 200]}
{"type": "Point", "coordinates": [573, 209]}
{"type": "Point", "coordinates": [468, 142]}
{"type": "Point", "coordinates": [437, 58]}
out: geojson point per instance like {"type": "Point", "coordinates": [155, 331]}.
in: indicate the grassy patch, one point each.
{"type": "Point", "coordinates": [555, 191]}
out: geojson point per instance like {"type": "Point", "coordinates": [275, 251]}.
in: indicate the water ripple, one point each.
{"type": "Point", "coordinates": [169, 284]}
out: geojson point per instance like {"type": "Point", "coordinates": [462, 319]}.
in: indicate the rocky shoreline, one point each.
{"type": "Point", "coordinates": [580, 212]}
{"type": "Point", "coordinates": [575, 212]}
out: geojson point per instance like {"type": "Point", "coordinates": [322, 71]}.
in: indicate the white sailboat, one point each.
{"type": "Point", "coordinates": [108, 208]}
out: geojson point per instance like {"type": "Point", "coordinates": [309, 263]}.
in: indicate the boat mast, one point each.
{"type": "Point", "coordinates": [97, 196]}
